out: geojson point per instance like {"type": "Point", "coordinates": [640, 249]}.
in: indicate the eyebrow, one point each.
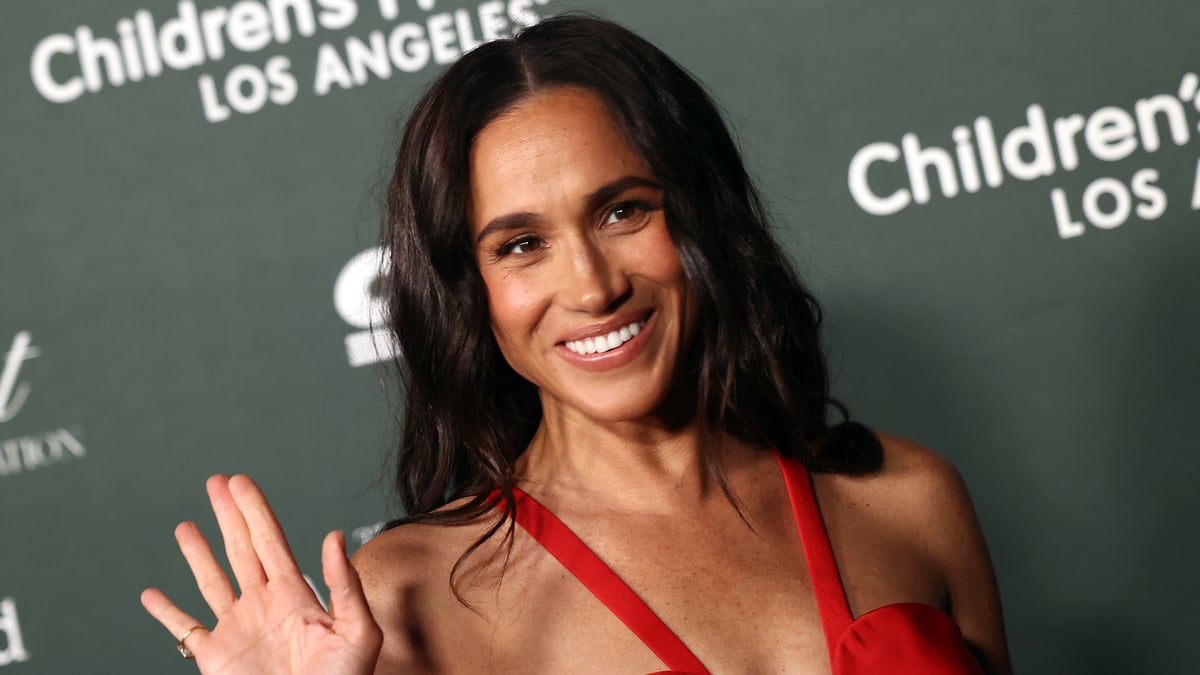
{"type": "Point", "coordinates": [597, 198]}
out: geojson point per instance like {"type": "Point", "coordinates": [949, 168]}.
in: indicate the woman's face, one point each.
{"type": "Point", "coordinates": [587, 295]}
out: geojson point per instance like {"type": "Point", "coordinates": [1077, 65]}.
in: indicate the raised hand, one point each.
{"type": "Point", "coordinates": [277, 625]}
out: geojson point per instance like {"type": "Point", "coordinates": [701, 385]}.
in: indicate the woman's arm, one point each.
{"type": "Point", "coordinates": [957, 547]}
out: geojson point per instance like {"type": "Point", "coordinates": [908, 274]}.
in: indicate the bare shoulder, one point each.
{"type": "Point", "coordinates": [397, 568]}
{"type": "Point", "coordinates": [921, 478]}
{"type": "Point", "coordinates": [927, 499]}
{"type": "Point", "coordinates": [415, 554]}
{"type": "Point", "coordinates": [405, 573]}
{"type": "Point", "coordinates": [398, 559]}
{"type": "Point", "coordinates": [912, 489]}
{"type": "Point", "coordinates": [925, 491]}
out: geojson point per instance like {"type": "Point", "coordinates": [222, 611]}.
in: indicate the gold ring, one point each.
{"type": "Point", "coordinates": [183, 649]}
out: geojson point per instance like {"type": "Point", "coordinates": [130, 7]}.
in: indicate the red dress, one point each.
{"type": "Point", "coordinates": [900, 639]}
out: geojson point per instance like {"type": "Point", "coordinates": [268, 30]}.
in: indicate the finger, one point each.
{"type": "Point", "coordinates": [265, 533]}
{"type": "Point", "coordinates": [347, 602]}
{"type": "Point", "coordinates": [238, 546]}
{"type": "Point", "coordinates": [210, 578]}
{"type": "Point", "coordinates": [175, 620]}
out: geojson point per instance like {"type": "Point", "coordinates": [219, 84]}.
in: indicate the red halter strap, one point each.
{"type": "Point", "coordinates": [600, 579]}
{"type": "Point", "coordinates": [822, 568]}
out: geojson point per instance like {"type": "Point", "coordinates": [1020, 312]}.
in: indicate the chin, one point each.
{"type": "Point", "coordinates": [626, 409]}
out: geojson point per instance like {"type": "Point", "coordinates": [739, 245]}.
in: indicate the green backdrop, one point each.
{"type": "Point", "coordinates": [996, 203]}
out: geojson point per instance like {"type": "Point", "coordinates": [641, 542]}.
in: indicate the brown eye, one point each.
{"type": "Point", "coordinates": [626, 211]}
{"type": "Point", "coordinates": [519, 246]}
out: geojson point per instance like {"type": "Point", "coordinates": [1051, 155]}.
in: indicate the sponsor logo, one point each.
{"type": "Point", "coordinates": [67, 66]}
{"type": "Point", "coordinates": [359, 300]}
{"type": "Point", "coordinates": [13, 392]}
{"type": "Point", "coordinates": [885, 178]}
{"type": "Point", "coordinates": [12, 645]}
{"type": "Point", "coordinates": [365, 533]}
{"type": "Point", "coordinates": [37, 450]}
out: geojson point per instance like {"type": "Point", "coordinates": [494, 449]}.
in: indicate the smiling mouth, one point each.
{"type": "Point", "coordinates": [604, 343]}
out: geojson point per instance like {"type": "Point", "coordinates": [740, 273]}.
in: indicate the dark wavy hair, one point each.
{"type": "Point", "coordinates": [757, 362]}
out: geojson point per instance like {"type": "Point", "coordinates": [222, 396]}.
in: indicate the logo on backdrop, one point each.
{"type": "Point", "coordinates": [358, 299]}
{"type": "Point", "coordinates": [12, 645]}
{"type": "Point", "coordinates": [1037, 149]}
{"type": "Point", "coordinates": [364, 533]}
{"type": "Point", "coordinates": [32, 451]}
{"type": "Point", "coordinates": [13, 392]}
{"type": "Point", "coordinates": [66, 66]}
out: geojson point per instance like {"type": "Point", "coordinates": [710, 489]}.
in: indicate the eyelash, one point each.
{"type": "Point", "coordinates": [507, 247]}
{"type": "Point", "coordinates": [639, 208]}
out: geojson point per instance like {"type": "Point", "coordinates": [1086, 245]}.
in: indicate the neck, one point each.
{"type": "Point", "coordinates": [642, 464]}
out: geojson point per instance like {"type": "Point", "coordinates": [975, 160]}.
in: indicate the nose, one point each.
{"type": "Point", "coordinates": [593, 281]}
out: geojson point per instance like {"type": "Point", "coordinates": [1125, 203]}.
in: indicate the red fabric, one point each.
{"type": "Point", "coordinates": [599, 578]}
{"type": "Point", "coordinates": [899, 639]}
{"type": "Point", "coordinates": [906, 638]}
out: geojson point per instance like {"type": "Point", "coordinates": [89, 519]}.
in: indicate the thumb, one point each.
{"type": "Point", "coordinates": [347, 602]}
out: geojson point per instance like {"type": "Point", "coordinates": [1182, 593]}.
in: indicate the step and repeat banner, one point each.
{"type": "Point", "coordinates": [999, 206]}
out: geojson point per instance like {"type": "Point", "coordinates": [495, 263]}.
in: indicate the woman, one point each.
{"type": "Point", "coordinates": [614, 384]}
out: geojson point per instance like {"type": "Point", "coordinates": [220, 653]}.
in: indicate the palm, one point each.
{"type": "Point", "coordinates": [276, 625]}
{"type": "Point", "coordinates": [270, 632]}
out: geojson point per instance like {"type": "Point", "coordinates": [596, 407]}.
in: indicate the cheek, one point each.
{"type": "Point", "coordinates": [660, 259]}
{"type": "Point", "coordinates": [513, 306]}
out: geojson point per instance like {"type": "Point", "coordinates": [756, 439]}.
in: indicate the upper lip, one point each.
{"type": "Point", "coordinates": [614, 324]}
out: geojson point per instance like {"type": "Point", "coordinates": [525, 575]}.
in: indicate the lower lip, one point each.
{"type": "Point", "coordinates": [613, 358]}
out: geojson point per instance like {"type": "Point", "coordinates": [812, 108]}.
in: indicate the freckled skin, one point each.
{"type": "Point", "coordinates": [582, 265]}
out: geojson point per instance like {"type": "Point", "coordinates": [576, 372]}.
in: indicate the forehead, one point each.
{"type": "Point", "coordinates": [551, 148]}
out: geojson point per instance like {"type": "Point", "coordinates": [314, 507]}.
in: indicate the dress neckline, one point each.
{"type": "Point", "coordinates": [563, 544]}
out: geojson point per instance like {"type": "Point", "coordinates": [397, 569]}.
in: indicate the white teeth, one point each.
{"type": "Point", "coordinates": [604, 343]}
